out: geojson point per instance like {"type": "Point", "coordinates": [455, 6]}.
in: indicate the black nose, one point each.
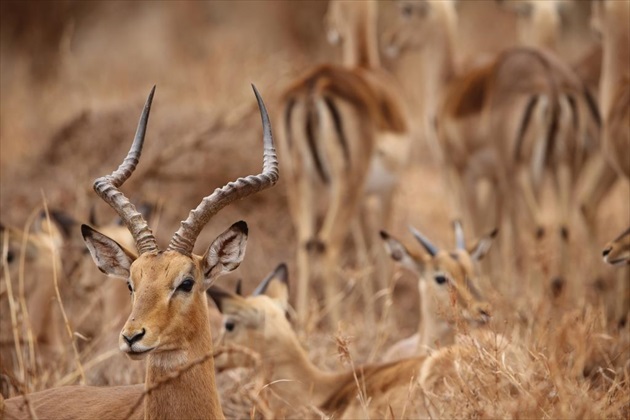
{"type": "Point", "coordinates": [606, 251]}
{"type": "Point", "coordinates": [134, 338]}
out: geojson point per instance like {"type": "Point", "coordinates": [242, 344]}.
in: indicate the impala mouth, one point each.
{"type": "Point", "coordinates": [136, 352]}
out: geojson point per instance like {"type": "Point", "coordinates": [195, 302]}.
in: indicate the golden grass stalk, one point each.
{"type": "Point", "coordinates": [77, 358]}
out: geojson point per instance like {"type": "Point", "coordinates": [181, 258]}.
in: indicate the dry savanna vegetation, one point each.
{"type": "Point", "coordinates": [450, 175]}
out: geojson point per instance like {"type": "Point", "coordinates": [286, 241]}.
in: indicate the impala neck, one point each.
{"type": "Point", "coordinates": [433, 331]}
{"type": "Point", "coordinates": [300, 382]}
{"type": "Point", "coordinates": [360, 48]}
{"type": "Point", "coordinates": [616, 46]}
{"type": "Point", "coordinates": [193, 394]}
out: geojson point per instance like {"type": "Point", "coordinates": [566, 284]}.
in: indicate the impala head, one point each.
{"type": "Point", "coordinates": [446, 279]}
{"type": "Point", "coordinates": [258, 321]}
{"type": "Point", "coordinates": [38, 245]}
{"type": "Point", "coordinates": [169, 308]}
{"type": "Point", "coordinates": [617, 251]}
{"type": "Point", "coordinates": [539, 22]}
{"type": "Point", "coordinates": [418, 23]}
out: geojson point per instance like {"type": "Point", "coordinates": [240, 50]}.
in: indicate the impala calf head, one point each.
{"type": "Point", "coordinates": [258, 321]}
{"type": "Point", "coordinates": [446, 279]}
{"type": "Point", "coordinates": [169, 307]}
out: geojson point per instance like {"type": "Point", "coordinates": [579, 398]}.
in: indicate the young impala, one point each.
{"type": "Point", "coordinates": [168, 324]}
{"type": "Point", "coordinates": [442, 275]}
{"type": "Point", "coordinates": [380, 390]}
{"type": "Point", "coordinates": [345, 134]}
{"type": "Point", "coordinates": [259, 322]}
{"type": "Point", "coordinates": [509, 122]}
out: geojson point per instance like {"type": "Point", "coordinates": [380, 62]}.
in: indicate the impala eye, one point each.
{"type": "Point", "coordinates": [440, 279]}
{"type": "Point", "coordinates": [229, 325]}
{"type": "Point", "coordinates": [186, 285]}
{"type": "Point", "coordinates": [10, 257]}
{"type": "Point", "coordinates": [129, 287]}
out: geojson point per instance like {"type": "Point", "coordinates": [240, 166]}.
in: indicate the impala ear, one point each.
{"type": "Point", "coordinates": [110, 257]}
{"type": "Point", "coordinates": [225, 253]}
{"type": "Point", "coordinates": [481, 248]}
{"type": "Point", "coordinates": [399, 253]}
{"type": "Point", "coordinates": [276, 286]}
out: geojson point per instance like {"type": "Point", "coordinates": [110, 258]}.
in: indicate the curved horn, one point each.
{"type": "Point", "coordinates": [184, 239]}
{"type": "Point", "coordinates": [107, 188]}
{"type": "Point", "coordinates": [460, 243]}
{"type": "Point", "coordinates": [431, 249]}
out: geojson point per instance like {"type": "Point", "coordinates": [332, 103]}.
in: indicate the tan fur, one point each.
{"type": "Point", "coordinates": [611, 19]}
{"type": "Point", "coordinates": [344, 133]}
{"type": "Point", "coordinates": [259, 323]}
{"type": "Point", "coordinates": [443, 307]}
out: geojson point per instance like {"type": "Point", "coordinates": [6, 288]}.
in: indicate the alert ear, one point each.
{"type": "Point", "coordinates": [481, 248]}
{"type": "Point", "coordinates": [225, 253]}
{"type": "Point", "coordinates": [276, 286]}
{"type": "Point", "coordinates": [399, 253]}
{"type": "Point", "coordinates": [110, 257]}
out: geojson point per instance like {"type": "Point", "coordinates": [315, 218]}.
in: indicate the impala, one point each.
{"type": "Point", "coordinates": [30, 261]}
{"type": "Point", "coordinates": [615, 82]}
{"type": "Point", "coordinates": [345, 134]}
{"type": "Point", "coordinates": [259, 322]}
{"type": "Point", "coordinates": [509, 122]}
{"type": "Point", "coordinates": [540, 25]}
{"type": "Point", "coordinates": [168, 324]}
{"type": "Point", "coordinates": [443, 278]}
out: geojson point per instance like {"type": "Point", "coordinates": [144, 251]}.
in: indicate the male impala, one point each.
{"type": "Point", "coordinates": [508, 122]}
{"type": "Point", "coordinates": [169, 320]}
{"type": "Point", "coordinates": [441, 275]}
{"type": "Point", "coordinates": [345, 135]}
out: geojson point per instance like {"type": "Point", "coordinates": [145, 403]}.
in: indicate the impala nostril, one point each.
{"type": "Point", "coordinates": [134, 338]}
{"type": "Point", "coordinates": [606, 251]}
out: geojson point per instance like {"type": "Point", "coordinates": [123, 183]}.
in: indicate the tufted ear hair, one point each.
{"type": "Point", "coordinates": [225, 253]}
{"type": "Point", "coordinates": [110, 257]}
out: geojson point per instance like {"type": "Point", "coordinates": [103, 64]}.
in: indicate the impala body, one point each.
{"type": "Point", "coordinates": [168, 324]}
{"type": "Point", "coordinates": [345, 134]}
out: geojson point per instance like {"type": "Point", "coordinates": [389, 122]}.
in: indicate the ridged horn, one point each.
{"type": "Point", "coordinates": [184, 239]}
{"type": "Point", "coordinates": [107, 188]}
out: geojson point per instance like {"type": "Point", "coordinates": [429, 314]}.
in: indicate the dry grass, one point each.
{"type": "Point", "coordinates": [567, 358]}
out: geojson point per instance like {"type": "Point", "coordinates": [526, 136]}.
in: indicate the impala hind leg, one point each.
{"type": "Point", "coordinates": [305, 230]}
{"type": "Point", "coordinates": [335, 228]}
